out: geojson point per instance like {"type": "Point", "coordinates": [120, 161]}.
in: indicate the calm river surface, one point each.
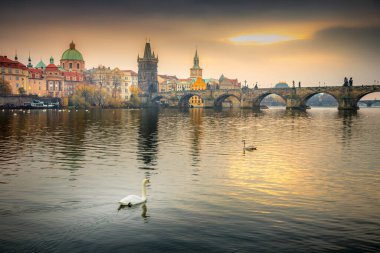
{"type": "Point", "coordinates": [312, 185]}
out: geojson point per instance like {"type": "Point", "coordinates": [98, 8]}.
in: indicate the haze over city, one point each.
{"type": "Point", "coordinates": [257, 41]}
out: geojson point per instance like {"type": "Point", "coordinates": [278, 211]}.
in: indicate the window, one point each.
{"type": "Point", "coordinates": [63, 65]}
{"type": "Point", "coordinates": [77, 65]}
{"type": "Point", "coordinates": [70, 65]}
{"type": "Point", "coordinates": [17, 78]}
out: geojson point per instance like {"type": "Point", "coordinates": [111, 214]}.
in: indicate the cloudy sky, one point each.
{"type": "Point", "coordinates": [315, 42]}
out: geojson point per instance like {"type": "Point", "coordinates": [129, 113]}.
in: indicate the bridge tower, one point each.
{"type": "Point", "coordinates": [147, 73]}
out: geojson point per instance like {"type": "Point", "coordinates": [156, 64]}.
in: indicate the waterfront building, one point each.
{"type": "Point", "coordinates": [54, 80]}
{"type": "Point", "coordinates": [36, 82]}
{"type": "Point", "coordinates": [184, 84]}
{"type": "Point", "coordinates": [147, 71]}
{"type": "Point", "coordinates": [72, 60]}
{"type": "Point", "coordinates": [15, 73]}
{"type": "Point", "coordinates": [166, 83]}
{"type": "Point", "coordinates": [71, 80]}
{"type": "Point", "coordinates": [199, 84]}
{"type": "Point", "coordinates": [196, 71]}
{"type": "Point", "coordinates": [117, 82]}
{"type": "Point", "coordinates": [130, 79]}
{"type": "Point", "coordinates": [226, 83]}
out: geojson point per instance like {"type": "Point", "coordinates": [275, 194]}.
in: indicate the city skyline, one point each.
{"type": "Point", "coordinates": [317, 44]}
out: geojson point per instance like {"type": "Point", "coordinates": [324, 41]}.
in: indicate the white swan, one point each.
{"type": "Point", "coordinates": [249, 148]}
{"type": "Point", "coordinates": [131, 200]}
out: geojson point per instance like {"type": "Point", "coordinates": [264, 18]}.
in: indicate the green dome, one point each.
{"type": "Point", "coordinates": [72, 54]}
{"type": "Point", "coordinates": [40, 65]}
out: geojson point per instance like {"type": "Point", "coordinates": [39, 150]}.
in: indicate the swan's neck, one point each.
{"type": "Point", "coordinates": [144, 191]}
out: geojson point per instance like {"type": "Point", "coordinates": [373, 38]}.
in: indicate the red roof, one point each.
{"type": "Point", "coordinates": [6, 62]}
{"type": "Point", "coordinates": [33, 73]}
{"type": "Point", "coordinates": [51, 67]}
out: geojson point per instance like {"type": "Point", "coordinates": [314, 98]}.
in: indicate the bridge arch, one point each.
{"type": "Point", "coordinates": [305, 98]}
{"type": "Point", "coordinates": [360, 96]}
{"type": "Point", "coordinates": [184, 101]}
{"type": "Point", "coordinates": [257, 101]}
{"type": "Point", "coordinates": [219, 100]}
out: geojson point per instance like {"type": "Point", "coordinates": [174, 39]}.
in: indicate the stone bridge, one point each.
{"type": "Point", "coordinates": [295, 98]}
{"type": "Point", "coordinates": [369, 103]}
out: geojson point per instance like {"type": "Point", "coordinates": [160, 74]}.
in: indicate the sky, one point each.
{"type": "Point", "coordinates": [315, 42]}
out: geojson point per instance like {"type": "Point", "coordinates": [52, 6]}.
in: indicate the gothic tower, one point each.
{"type": "Point", "coordinates": [196, 71]}
{"type": "Point", "coordinates": [147, 76]}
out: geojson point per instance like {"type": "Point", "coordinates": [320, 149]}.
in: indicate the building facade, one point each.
{"type": "Point", "coordinates": [15, 73]}
{"type": "Point", "coordinates": [54, 80]}
{"type": "Point", "coordinates": [147, 73]}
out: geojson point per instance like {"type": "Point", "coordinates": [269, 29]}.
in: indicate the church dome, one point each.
{"type": "Point", "coordinates": [72, 54]}
{"type": "Point", "coordinates": [281, 85]}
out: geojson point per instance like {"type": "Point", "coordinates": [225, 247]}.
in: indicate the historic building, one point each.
{"type": "Point", "coordinates": [130, 82]}
{"type": "Point", "coordinates": [196, 71]}
{"type": "Point", "coordinates": [184, 84]}
{"type": "Point", "coordinates": [226, 83]}
{"type": "Point", "coordinates": [166, 83]}
{"type": "Point", "coordinates": [147, 73]}
{"type": "Point", "coordinates": [15, 73]}
{"type": "Point", "coordinates": [36, 82]}
{"type": "Point", "coordinates": [117, 82]}
{"type": "Point", "coordinates": [54, 80]}
{"type": "Point", "coordinates": [199, 84]}
{"type": "Point", "coordinates": [72, 60]}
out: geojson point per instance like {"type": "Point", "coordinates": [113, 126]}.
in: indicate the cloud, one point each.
{"type": "Point", "coordinates": [260, 38]}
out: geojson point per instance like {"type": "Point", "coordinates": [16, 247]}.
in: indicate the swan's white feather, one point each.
{"type": "Point", "coordinates": [132, 200]}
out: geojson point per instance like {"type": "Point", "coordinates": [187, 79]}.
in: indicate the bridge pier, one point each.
{"type": "Point", "coordinates": [294, 102]}
{"type": "Point", "coordinates": [347, 103]}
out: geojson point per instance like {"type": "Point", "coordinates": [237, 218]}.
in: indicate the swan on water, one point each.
{"type": "Point", "coordinates": [249, 148]}
{"type": "Point", "coordinates": [131, 200]}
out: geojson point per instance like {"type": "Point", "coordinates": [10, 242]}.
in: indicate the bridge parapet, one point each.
{"type": "Point", "coordinates": [295, 98]}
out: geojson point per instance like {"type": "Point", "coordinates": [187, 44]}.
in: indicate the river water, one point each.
{"type": "Point", "coordinates": [312, 185]}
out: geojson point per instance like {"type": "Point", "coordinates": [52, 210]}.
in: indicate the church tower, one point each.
{"type": "Point", "coordinates": [147, 74]}
{"type": "Point", "coordinates": [196, 71]}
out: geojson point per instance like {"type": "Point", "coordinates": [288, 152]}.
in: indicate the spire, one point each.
{"type": "Point", "coordinates": [29, 62]}
{"type": "Point", "coordinates": [16, 58]}
{"type": "Point", "coordinates": [196, 60]}
{"type": "Point", "coordinates": [147, 51]}
{"type": "Point", "coordinates": [72, 45]}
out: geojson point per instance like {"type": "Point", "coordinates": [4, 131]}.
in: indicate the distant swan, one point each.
{"type": "Point", "coordinates": [249, 148]}
{"type": "Point", "coordinates": [131, 200]}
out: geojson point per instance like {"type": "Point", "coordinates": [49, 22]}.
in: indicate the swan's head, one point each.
{"type": "Point", "coordinates": [146, 181]}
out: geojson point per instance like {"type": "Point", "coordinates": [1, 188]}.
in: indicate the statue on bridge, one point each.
{"type": "Point", "coordinates": [345, 82]}
{"type": "Point", "coordinates": [350, 83]}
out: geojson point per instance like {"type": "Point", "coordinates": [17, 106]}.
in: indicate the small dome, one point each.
{"type": "Point", "coordinates": [40, 65]}
{"type": "Point", "coordinates": [281, 85]}
{"type": "Point", "coordinates": [72, 54]}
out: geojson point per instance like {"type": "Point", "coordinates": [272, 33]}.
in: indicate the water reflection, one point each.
{"type": "Point", "coordinates": [131, 209]}
{"type": "Point", "coordinates": [196, 115]}
{"type": "Point", "coordinates": [147, 138]}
